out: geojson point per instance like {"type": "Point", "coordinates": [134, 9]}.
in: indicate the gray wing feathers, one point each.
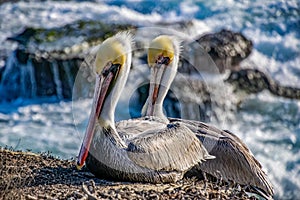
{"type": "Point", "coordinates": [234, 160]}
{"type": "Point", "coordinates": [234, 163]}
{"type": "Point", "coordinates": [174, 148]}
{"type": "Point", "coordinates": [133, 127]}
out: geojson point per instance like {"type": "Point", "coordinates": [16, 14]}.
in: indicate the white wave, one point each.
{"type": "Point", "coordinates": [187, 8]}
{"type": "Point", "coordinates": [262, 125]}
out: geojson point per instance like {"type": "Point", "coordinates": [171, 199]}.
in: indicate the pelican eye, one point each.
{"type": "Point", "coordinates": [111, 68]}
{"type": "Point", "coordinates": [115, 68]}
{"type": "Point", "coordinates": [166, 60]}
{"type": "Point", "coordinates": [105, 72]}
{"type": "Point", "coordinates": [163, 60]}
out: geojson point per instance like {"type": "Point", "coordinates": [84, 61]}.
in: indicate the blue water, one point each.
{"type": "Point", "coordinates": [269, 125]}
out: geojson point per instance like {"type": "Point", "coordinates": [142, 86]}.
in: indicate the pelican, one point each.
{"type": "Point", "coordinates": [138, 150]}
{"type": "Point", "coordinates": [234, 161]}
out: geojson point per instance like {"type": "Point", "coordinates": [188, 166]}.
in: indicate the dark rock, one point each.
{"type": "Point", "coordinates": [255, 81]}
{"type": "Point", "coordinates": [24, 37]}
{"type": "Point", "coordinates": [46, 61]}
{"type": "Point", "coordinates": [226, 48]}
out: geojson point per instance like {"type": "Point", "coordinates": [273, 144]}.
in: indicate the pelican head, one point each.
{"type": "Point", "coordinates": [163, 56]}
{"type": "Point", "coordinates": [112, 66]}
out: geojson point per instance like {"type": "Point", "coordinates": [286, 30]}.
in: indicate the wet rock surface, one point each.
{"type": "Point", "coordinates": [226, 48]}
{"type": "Point", "coordinates": [26, 175]}
{"type": "Point", "coordinates": [69, 41]}
{"type": "Point", "coordinates": [255, 81]}
{"type": "Point", "coordinates": [46, 61]}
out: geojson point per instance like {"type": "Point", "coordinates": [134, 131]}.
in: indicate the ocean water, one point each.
{"type": "Point", "coordinates": [269, 125]}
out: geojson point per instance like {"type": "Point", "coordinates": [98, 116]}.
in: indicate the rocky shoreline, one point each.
{"type": "Point", "coordinates": [47, 61]}
{"type": "Point", "coordinates": [26, 175]}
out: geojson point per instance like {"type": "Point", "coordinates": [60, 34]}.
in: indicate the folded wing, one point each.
{"type": "Point", "coordinates": [173, 148]}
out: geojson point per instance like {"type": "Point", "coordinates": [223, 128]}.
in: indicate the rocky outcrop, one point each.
{"type": "Point", "coordinates": [254, 81]}
{"type": "Point", "coordinates": [46, 61]}
{"type": "Point", "coordinates": [29, 76]}
{"type": "Point", "coordinates": [226, 49]}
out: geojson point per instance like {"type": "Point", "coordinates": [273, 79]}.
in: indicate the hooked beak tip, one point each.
{"type": "Point", "coordinates": [79, 166]}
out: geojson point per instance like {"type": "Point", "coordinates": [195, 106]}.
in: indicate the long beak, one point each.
{"type": "Point", "coordinates": [103, 85]}
{"type": "Point", "coordinates": [157, 73]}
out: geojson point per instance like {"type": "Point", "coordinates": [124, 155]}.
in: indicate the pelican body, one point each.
{"type": "Point", "coordinates": [233, 159]}
{"type": "Point", "coordinates": [144, 150]}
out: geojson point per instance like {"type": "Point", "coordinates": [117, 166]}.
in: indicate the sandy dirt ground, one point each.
{"type": "Point", "coordinates": [26, 175]}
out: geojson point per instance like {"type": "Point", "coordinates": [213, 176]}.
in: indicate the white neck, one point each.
{"type": "Point", "coordinates": [164, 85]}
{"type": "Point", "coordinates": [107, 114]}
